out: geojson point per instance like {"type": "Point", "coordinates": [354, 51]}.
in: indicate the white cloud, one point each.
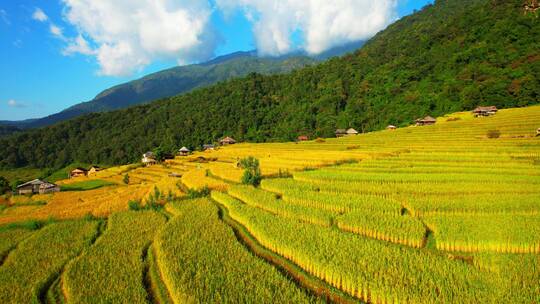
{"type": "Point", "coordinates": [323, 24]}
{"type": "Point", "coordinates": [4, 17]}
{"type": "Point", "coordinates": [15, 104]}
{"type": "Point", "coordinates": [128, 35]}
{"type": "Point", "coordinates": [39, 15]}
{"type": "Point", "coordinates": [56, 31]}
{"type": "Point", "coordinates": [78, 45]}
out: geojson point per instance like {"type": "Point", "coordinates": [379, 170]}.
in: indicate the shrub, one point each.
{"type": "Point", "coordinates": [493, 134]}
{"type": "Point", "coordinates": [4, 185]}
{"type": "Point", "coordinates": [126, 179]}
{"type": "Point", "coordinates": [252, 171]}
{"type": "Point", "coordinates": [203, 192]}
{"type": "Point", "coordinates": [134, 205]}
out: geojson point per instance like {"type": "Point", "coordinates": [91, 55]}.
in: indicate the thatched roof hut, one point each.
{"type": "Point", "coordinates": [351, 131]}
{"type": "Point", "coordinates": [227, 141]}
{"type": "Point", "coordinates": [426, 121]}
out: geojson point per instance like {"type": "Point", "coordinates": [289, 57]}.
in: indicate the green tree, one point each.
{"type": "Point", "coordinates": [4, 185]}
{"type": "Point", "coordinates": [252, 171]}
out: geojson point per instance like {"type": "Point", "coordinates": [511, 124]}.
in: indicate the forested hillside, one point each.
{"type": "Point", "coordinates": [7, 130]}
{"type": "Point", "coordinates": [450, 56]}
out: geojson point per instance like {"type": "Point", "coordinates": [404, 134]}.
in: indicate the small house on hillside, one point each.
{"type": "Point", "coordinates": [209, 147]}
{"type": "Point", "coordinates": [341, 132]}
{"type": "Point", "coordinates": [78, 172]}
{"type": "Point", "coordinates": [149, 159]}
{"type": "Point", "coordinates": [227, 141]}
{"type": "Point", "coordinates": [351, 131]}
{"type": "Point", "coordinates": [94, 170]}
{"type": "Point", "coordinates": [303, 138]}
{"type": "Point", "coordinates": [485, 111]}
{"type": "Point", "coordinates": [391, 127]}
{"type": "Point", "coordinates": [184, 151]}
{"type": "Point", "coordinates": [37, 186]}
{"type": "Point", "coordinates": [538, 132]}
{"type": "Point", "coordinates": [426, 121]}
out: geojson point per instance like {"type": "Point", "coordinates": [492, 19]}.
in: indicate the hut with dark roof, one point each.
{"type": "Point", "coordinates": [341, 132]}
{"type": "Point", "coordinates": [78, 172]}
{"type": "Point", "coordinates": [485, 111]}
{"type": "Point", "coordinates": [426, 121]}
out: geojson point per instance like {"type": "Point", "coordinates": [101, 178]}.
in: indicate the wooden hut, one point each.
{"type": "Point", "coordinates": [538, 132]}
{"type": "Point", "coordinates": [94, 170]}
{"type": "Point", "coordinates": [48, 188]}
{"type": "Point", "coordinates": [426, 121]}
{"type": "Point", "coordinates": [78, 172]}
{"type": "Point", "coordinates": [209, 147]}
{"type": "Point", "coordinates": [485, 111]}
{"type": "Point", "coordinates": [351, 131]}
{"type": "Point", "coordinates": [391, 127]}
{"type": "Point", "coordinates": [37, 186]}
{"type": "Point", "coordinates": [227, 141]}
{"type": "Point", "coordinates": [149, 159]}
{"type": "Point", "coordinates": [184, 151]}
{"type": "Point", "coordinates": [303, 138]}
{"type": "Point", "coordinates": [341, 132]}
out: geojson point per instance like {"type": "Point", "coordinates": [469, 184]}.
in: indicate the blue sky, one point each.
{"type": "Point", "coordinates": [41, 74]}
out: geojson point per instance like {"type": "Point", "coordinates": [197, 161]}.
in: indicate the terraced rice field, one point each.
{"type": "Point", "coordinates": [435, 214]}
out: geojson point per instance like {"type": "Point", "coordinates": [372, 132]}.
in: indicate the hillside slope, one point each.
{"type": "Point", "coordinates": [450, 56]}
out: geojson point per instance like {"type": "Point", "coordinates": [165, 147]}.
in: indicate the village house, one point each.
{"type": "Point", "coordinates": [426, 121]}
{"type": "Point", "coordinates": [227, 141]}
{"type": "Point", "coordinates": [78, 172]}
{"type": "Point", "coordinates": [391, 127]}
{"type": "Point", "coordinates": [351, 131]}
{"type": "Point", "coordinates": [538, 132]}
{"type": "Point", "coordinates": [341, 132]}
{"type": "Point", "coordinates": [208, 147]}
{"type": "Point", "coordinates": [184, 151]}
{"type": "Point", "coordinates": [94, 170]}
{"type": "Point", "coordinates": [303, 138]}
{"type": "Point", "coordinates": [485, 111]}
{"type": "Point", "coordinates": [531, 6]}
{"type": "Point", "coordinates": [149, 159]}
{"type": "Point", "coordinates": [37, 186]}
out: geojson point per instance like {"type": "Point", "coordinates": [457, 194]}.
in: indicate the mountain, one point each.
{"type": "Point", "coordinates": [172, 82]}
{"type": "Point", "coordinates": [450, 56]}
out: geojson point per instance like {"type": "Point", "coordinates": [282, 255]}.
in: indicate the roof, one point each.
{"type": "Point", "coordinates": [79, 169]}
{"type": "Point", "coordinates": [36, 181]}
{"type": "Point", "coordinates": [485, 109]}
{"type": "Point", "coordinates": [148, 154]}
{"type": "Point", "coordinates": [47, 185]}
{"type": "Point", "coordinates": [391, 127]}
{"type": "Point", "coordinates": [341, 131]}
{"type": "Point", "coordinates": [184, 149]}
{"type": "Point", "coordinates": [428, 119]}
{"type": "Point", "coordinates": [352, 131]}
{"type": "Point", "coordinates": [228, 139]}
{"type": "Point", "coordinates": [303, 137]}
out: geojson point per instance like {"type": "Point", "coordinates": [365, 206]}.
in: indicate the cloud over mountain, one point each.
{"type": "Point", "coordinates": [128, 35]}
{"type": "Point", "coordinates": [321, 24]}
